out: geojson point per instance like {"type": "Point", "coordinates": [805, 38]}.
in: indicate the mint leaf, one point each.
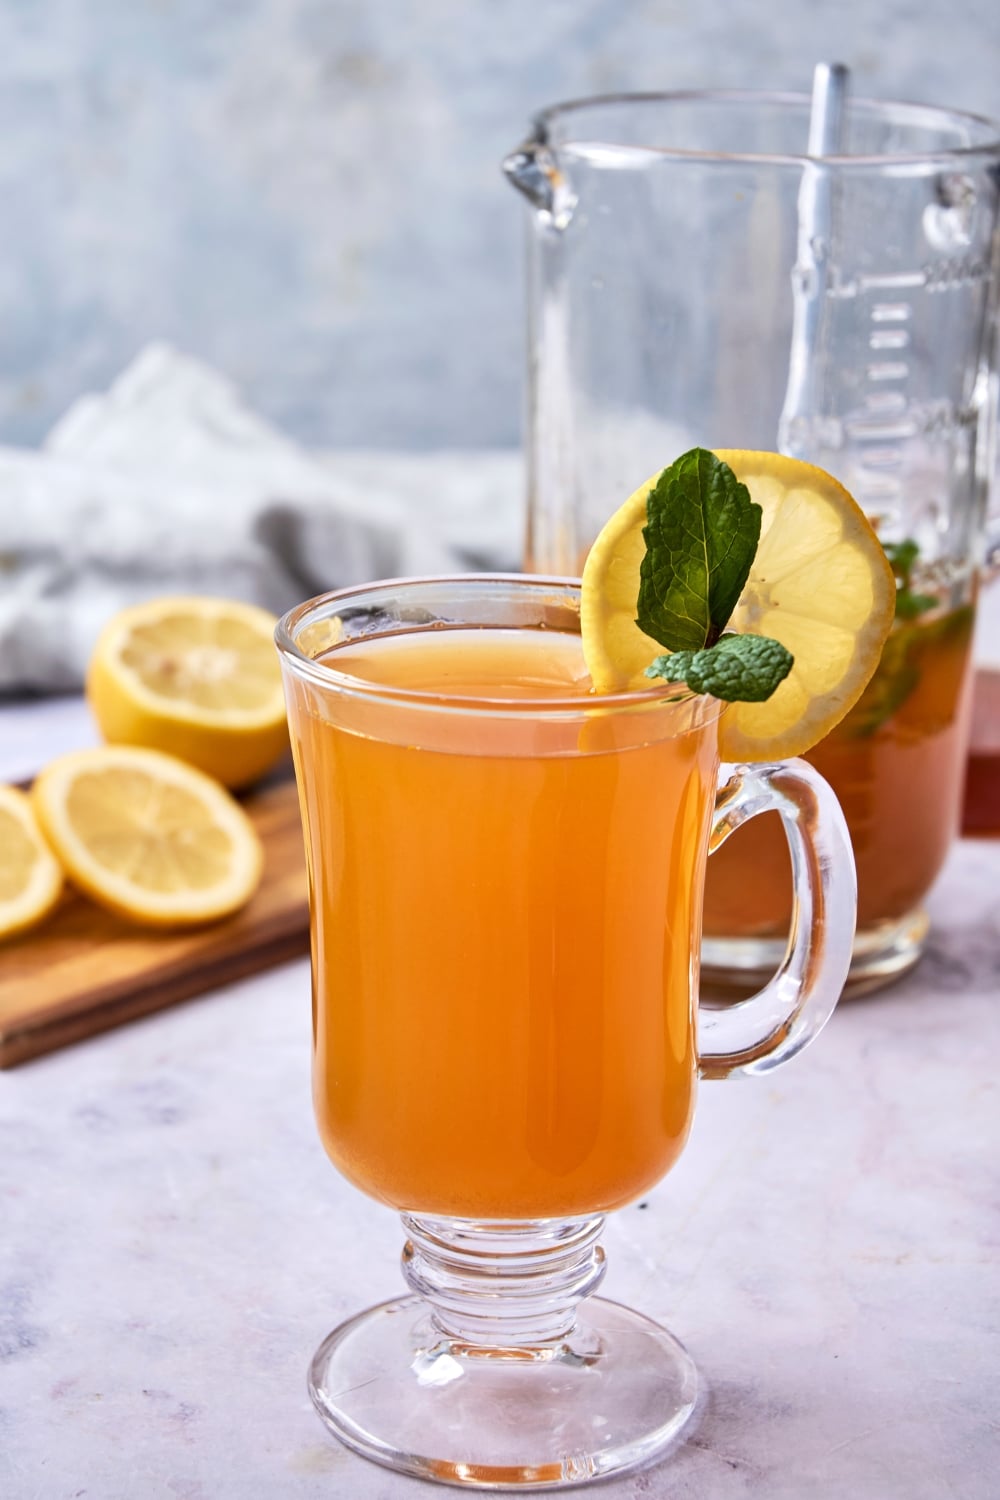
{"type": "Point", "coordinates": [737, 669]}
{"type": "Point", "coordinates": [909, 605]}
{"type": "Point", "coordinates": [902, 556]}
{"type": "Point", "coordinates": [701, 537]}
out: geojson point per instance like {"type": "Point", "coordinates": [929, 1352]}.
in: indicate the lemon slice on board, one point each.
{"type": "Point", "coordinates": [820, 584]}
{"type": "Point", "coordinates": [31, 878]}
{"type": "Point", "coordinates": [197, 678]}
{"type": "Point", "coordinates": [148, 836]}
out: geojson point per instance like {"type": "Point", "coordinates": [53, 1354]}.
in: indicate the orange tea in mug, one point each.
{"type": "Point", "coordinates": [470, 929]}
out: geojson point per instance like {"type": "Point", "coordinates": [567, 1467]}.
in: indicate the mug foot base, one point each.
{"type": "Point", "coordinates": [733, 968]}
{"type": "Point", "coordinates": [612, 1396]}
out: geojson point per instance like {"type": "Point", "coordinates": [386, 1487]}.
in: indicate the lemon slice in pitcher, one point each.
{"type": "Point", "coordinates": [819, 583]}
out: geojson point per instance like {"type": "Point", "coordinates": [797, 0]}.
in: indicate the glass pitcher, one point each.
{"type": "Point", "coordinates": [695, 276]}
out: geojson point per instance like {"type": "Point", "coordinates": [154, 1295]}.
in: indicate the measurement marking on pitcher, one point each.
{"type": "Point", "coordinates": [887, 421]}
{"type": "Point", "coordinates": [899, 281]}
{"type": "Point", "coordinates": [882, 459]}
{"type": "Point", "coordinates": [885, 403]}
{"type": "Point", "coordinates": [889, 338]}
{"type": "Point", "coordinates": [886, 369]}
{"type": "Point", "coordinates": [892, 312]}
{"type": "Point", "coordinates": [873, 429]}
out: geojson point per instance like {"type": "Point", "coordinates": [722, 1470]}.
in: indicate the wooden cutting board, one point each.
{"type": "Point", "coordinates": [84, 971]}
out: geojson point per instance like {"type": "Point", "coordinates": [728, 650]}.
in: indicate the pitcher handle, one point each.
{"type": "Point", "coordinates": [764, 1031]}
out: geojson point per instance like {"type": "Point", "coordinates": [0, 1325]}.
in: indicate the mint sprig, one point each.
{"type": "Point", "coordinates": [738, 668]}
{"type": "Point", "coordinates": [701, 538]}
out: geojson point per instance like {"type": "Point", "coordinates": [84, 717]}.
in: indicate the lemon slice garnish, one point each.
{"type": "Point", "coordinates": [148, 836]}
{"type": "Point", "coordinates": [197, 678]}
{"type": "Point", "coordinates": [820, 584]}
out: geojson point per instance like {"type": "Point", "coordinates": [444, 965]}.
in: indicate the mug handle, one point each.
{"type": "Point", "coordinates": [764, 1031]}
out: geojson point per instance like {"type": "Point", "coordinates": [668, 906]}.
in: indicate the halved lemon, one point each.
{"type": "Point", "coordinates": [31, 878]}
{"type": "Point", "coordinates": [820, 583]}
{"type": "Point", "coordinates": [197, 678]}
{"type": "Point", "coordinates": [147, 836]}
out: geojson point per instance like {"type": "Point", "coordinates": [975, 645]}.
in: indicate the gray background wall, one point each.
{"type": "Point", "coordinates": [307, 193]}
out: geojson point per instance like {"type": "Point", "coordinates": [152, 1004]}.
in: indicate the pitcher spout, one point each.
{"type": "Point", "coordinates": [534, 171]}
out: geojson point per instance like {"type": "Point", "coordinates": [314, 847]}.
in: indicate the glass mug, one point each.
{"type": "Point", "coordinates": [506, 880]}
{"type": "Point", "coordinates": [696, 278]}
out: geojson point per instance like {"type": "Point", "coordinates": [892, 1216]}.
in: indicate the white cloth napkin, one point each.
{"type": "Point", "coordinates": [167, 483]}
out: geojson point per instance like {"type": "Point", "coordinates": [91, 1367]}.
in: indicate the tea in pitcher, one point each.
{"type": "Point", "coordinates": [896, 763]}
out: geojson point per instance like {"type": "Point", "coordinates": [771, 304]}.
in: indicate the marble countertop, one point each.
{"type": "Point", "coordinates": [174, 1245]}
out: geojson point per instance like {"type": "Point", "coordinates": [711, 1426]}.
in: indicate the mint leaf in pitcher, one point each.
{"type": "Point", "coordinates": [909, 603]}
{"type": "Point", "coordinates": [737, 669]}
{"type": "Point", "coordinates": [701, 537]}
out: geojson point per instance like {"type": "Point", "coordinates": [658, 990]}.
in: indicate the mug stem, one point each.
{"type": "Point", "coordinates": [502, 1286]}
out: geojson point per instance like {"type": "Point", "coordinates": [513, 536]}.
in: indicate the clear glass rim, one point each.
{"type": "Point", "coordinates": [927, 115]}
{"type": "Point", "coordinates": [567, 590]}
